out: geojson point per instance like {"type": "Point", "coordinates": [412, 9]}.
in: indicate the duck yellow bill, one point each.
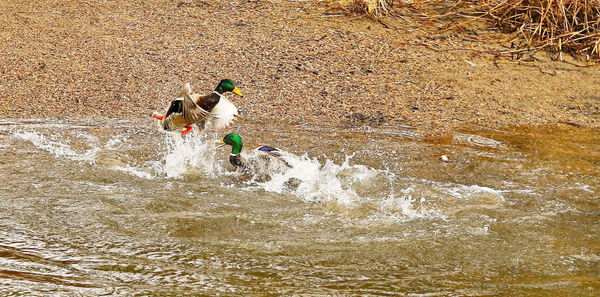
{"type": "Point", "coordinates": [220, 142]}
{"type": "Point", "coordinates": [237, 92]}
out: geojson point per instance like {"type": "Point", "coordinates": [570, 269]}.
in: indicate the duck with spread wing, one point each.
{"type": "Point", "coordinates": [213, 110]}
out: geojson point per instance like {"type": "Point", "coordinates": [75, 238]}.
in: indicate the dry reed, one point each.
{"type": "Point", "coordinates": [563, 25]}
{"type": "Point", "coordinates": [571, 26]}
{"type": "Point", "coordinates": [373, 7]}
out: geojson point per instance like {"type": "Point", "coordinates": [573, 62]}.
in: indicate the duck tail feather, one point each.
{"type": "Point", "coordinates": [165, 124]}
{"type": "Point", "coordinates": [185, 90]}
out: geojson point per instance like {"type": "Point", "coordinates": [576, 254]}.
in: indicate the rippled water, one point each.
{"type": "Point", "coordinates": [116, 208]}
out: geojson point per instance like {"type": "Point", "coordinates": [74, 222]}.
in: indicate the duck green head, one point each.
{"type": "Point", "coordinates": [227, 85]}
{"type": "Point", "coordinates": [235, 141]}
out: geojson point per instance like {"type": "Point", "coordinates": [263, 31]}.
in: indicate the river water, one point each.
{"type": "Point", "coordinates": [117, 208]}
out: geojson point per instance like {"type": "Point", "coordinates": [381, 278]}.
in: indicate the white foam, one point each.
{"type": "Point", "coordinates": [320, 182]}
{"type": "Point", "coordinates": [134, 171]}
{"type": "Point", "coordinates": [194, 151]}
{"type": "Point", "coordinates": [406, 205]}
{"type": "Point", "coordinates": [465, 192]}
{"type": "Point", "coordinates": [584, 187]}
{"type": "Point", "coordinates": [468, 192]}
{"type": "Point", "coordinates": [58, 148]}
{"type": "Point", "coordinates": [308, 178]}
{"type": "Point", "coordinates": [182, 154]}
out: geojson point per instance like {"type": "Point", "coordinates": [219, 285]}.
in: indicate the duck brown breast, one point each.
{"type": "Point", "coordinates": [208, 102]}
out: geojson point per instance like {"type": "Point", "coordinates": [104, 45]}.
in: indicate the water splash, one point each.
{"type": "Point", "coordinates": [179, 154]}
{"type": "Point", "coordinates": [408, 205]}
{"type": "Point", "coordinates": [321, 182]}
{"type": "Point", "coordinates": [189, 154]}
{"type": "Point", "coordinates": [311, 179]}
{"type": "Point", "coordinates": [57, 148]}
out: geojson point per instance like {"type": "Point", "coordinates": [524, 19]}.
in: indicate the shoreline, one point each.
{"type": "Point", "coordinates": [129, 60]}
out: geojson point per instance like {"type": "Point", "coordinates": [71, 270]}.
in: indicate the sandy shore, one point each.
{"type": "Point", "coordinates": [294, 62]}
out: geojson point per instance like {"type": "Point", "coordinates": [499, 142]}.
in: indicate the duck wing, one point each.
{"type": "Point", "coordinates": [190, 111]}
{"type": "Point", "coordinates": [275, 152]}
{"type": "Point", "coordinates": [272, 153]}
{"type": "Point", "coordinates": [222, 115]}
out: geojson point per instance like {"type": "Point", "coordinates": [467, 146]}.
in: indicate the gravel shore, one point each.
{"type": "Point", "coordinates": [294, 61]}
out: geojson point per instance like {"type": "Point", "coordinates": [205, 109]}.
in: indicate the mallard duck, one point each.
{"type": "Point", "coordinates": [266, 159]}
{"type": "Point", "coordinates": [188, 109]}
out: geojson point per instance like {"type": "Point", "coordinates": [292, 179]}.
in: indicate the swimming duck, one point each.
{"type": "Point", "coordinates": [188, 109]}
{"type": "Point", "coordinates": [265, 159]}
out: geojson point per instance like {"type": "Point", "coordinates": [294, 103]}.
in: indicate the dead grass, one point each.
{"type": "Point", "coordinates": [571, 26]}
{"type": "Point", "coordinates": [374, 8]}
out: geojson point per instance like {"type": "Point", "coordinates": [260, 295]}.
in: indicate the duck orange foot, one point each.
{"type": "Point", "coordinates": [157, 116]}
{"type": "Point", "coordinates": [187, 130]}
